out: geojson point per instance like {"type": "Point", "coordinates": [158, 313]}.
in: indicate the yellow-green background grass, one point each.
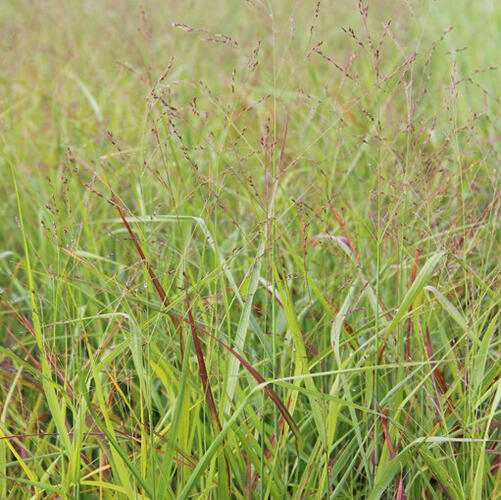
{"type": "Point", "coordinates": [226, 130]}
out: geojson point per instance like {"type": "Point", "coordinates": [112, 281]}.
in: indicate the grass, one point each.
{"type": "Point", "coordinates": [250, 250]}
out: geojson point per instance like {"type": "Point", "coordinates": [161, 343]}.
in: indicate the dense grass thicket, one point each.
{"type": "Point", "coordinates": [250, 249]}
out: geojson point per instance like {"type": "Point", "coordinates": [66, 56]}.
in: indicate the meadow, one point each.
{"type": "Point", "coordinates": [250, 249]}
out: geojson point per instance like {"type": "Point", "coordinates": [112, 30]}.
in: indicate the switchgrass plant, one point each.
{"type": "Point", "coordinates": [250, 250]}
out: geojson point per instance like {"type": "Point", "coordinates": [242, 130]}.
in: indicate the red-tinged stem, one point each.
{"type": "Point", "coordinates": [203, 369]}
{"type": "Point", "coordinates": [156, 283]}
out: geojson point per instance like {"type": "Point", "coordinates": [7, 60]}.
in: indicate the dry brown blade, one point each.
{"type": "Point", "coordinates": [346, 325]}
{"type": "Point", "coordinates": [156, 283]}
{"type": "Point", "coordinates": [273, 438]}
{"type": "Point", "coordinates": [273, 442]}
{"type": "Point", "coordinates": [386, 432]}
{"type": "Point", "coordinates": [209, 398]}
{"type": "Point", "coordinates": [439, 378]}
{"type": "Point", "coordinates": [248, 476]}
{"type": "Point", "coordinates": [400, 488]}
{"type": "Point", "coordinates": [495, 465]}
{"type": "Point", "coordinates": [381, 351]}
{"type": "Point", "coordinates": [392, 452]}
